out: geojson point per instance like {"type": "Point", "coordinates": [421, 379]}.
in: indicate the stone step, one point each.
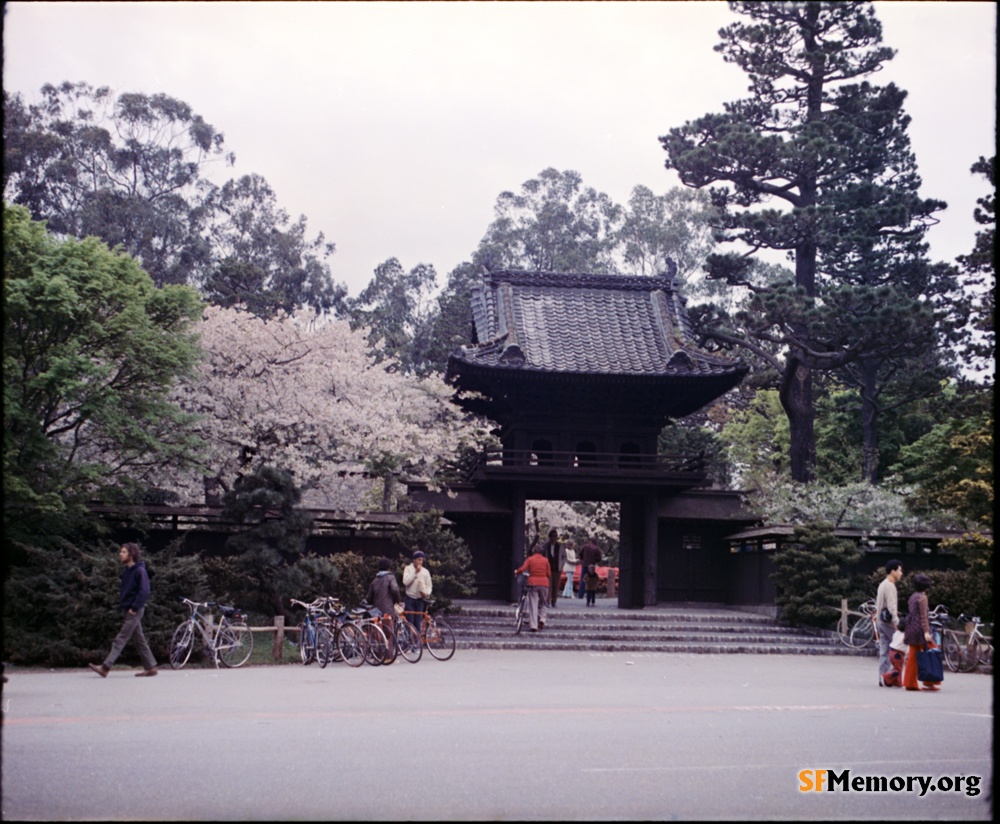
{"type": "Point", "coordinates": [677, 630]}
{"type": "Point", "coordinates": [538, 641]}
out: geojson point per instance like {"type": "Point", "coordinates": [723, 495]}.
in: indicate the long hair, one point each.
{"type": "Point", "coordinates": [133, 551]}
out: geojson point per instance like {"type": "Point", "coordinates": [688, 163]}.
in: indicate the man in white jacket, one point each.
{"type": "Point", "coordinates": [887, 607]}
{"type": "Point", "coordinates": [416, 588]}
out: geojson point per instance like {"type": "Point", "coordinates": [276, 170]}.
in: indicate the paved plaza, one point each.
{"type": "Point", "coordinates": [499, 735]}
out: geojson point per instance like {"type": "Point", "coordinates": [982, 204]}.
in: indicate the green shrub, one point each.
{"type": "Point", "coordinates": [355, 573]}
{"type": "Point", "coordinates": [61, 603]}
{"type": "Point", "coordinates": [811, 574]}
{"type": "Point", "coordinates": [448, 558]}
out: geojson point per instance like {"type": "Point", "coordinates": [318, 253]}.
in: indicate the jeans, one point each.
{"type": "Point", "coordinates": [885, 632]}
{"type": "Point", "coordinates": [415, 605]}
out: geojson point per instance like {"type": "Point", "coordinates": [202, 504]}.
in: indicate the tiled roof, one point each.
{"type": "Point", "coordinates": [584, 324]}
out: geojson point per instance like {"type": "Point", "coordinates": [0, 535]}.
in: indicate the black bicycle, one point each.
{"type": "Point", "coordinates": [521, 608]}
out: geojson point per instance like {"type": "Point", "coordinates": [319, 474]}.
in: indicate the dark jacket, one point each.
{"type": "Point", "coordinates": [383, 592]}
{"type": "Point", "coordinates": [590, 554]}
{"type": "Point", "coordinates": [135, 587]}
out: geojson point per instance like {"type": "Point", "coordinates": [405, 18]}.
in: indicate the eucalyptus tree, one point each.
{"type": "Point", "coordinates": [396, 310]}
{"type": "Point", "coordinates": [127, 168]}
{"type": "Point", "coordinates": [674, 226]}
{"type": "Point", "coordinates": [261, 259]}
{"type": "Point", "coordinates": [554, 224]}
{"type": "Point", "coordinates": [816, 164]}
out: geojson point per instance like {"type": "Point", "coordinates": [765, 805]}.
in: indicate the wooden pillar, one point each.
{"type": "Point", "coordinates": [651, 549]}
{"type": "Point", "coordinates": [637, 560]}
{"type": "Point", "coordinates": [630, 556]}
{"type": "Point", "coordinates": [279, 637]}
{"type": "Point", "coordinates": [516, 557]}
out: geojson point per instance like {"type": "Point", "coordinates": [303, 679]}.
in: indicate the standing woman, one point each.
{"type": "Point", "coordinates": [132, 602]}
{"type": "Point", "coordinates": [918, 632]}
{"type": "Point", "coordinates": [569, 567]}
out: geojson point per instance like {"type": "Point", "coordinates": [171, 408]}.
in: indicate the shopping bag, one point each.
{"type": "Point", "coordinates": [929, 665]}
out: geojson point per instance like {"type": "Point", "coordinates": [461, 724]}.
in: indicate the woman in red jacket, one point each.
{"type": "Point", "coordinates": [539, 574]}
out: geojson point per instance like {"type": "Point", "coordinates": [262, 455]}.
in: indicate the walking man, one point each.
{"type": "Point", "coordinates": [132, 602]}
{"type": "Point", "coordinates": [553, 552]}
{"type": "Point", "coordinates": [887, 616]}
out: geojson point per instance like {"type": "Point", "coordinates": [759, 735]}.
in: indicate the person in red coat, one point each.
{"type": "Point", "coordinates": [539, 577]}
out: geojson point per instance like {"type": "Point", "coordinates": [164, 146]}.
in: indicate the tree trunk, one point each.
{"type": "Point", "coordinates": [387, 493]}
{"type": "Point", "coordinates": [869, 420]}
{"type": "Point", "coordinates": [797, 401]}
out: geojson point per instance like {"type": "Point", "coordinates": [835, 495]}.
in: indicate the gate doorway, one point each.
{"type": "Point", "coordinates": [577, 523]}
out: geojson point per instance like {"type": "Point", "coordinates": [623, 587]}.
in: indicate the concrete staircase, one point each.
{"type": "Point", "coordinates": [605, 628]}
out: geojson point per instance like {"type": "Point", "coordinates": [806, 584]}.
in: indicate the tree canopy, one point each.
{"type": "Point", "coordinates": [92, 350]}
{"type": "Point", "coordinates": [303, 393]}
{"type": "Point", "coordinates": [133, 170]}
{"type": "Point", "coordinates": [831, 150]}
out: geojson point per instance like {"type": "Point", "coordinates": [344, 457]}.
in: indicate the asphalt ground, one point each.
{"type": "Point", "coordinates": [499, 735]}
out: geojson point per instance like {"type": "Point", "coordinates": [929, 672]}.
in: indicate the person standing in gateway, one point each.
{"type": "Point", "coordinates": [132, 602]}
{"type": "Point", "coordinates": [553, 552]}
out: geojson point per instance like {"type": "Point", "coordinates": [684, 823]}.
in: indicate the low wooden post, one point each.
{"type": "Point", "coordinates": [279, 638]}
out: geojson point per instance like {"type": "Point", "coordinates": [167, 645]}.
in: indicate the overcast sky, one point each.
{"type": "Point", "coordinates": [394, 126]}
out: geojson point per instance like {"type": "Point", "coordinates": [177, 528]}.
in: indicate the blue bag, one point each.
{"type": "Point", "coordinates": [929, 665]}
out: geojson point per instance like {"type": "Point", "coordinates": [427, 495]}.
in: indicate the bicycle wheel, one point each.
{"type": "Point", "coordinates": [952, 652]}
{"type": "Point", "coordinates": [986, 654]}
{"type": "Point", "coordinates": [351, 645]}
{"type": "Point", "coordinates": [439, 638]}
{"type": "Point", "coordinates": [970, 660]}
{"type": "Point", "coordinates": [862, 633]}
{"type": "Point", "coordinates": [324, 645]}
{"type": "Point", "coordinates": [376, 645]}
{"type": "Point", "coordinates": [307, 642]}
{"type": "Point", "coordinates": [181, 645]}
{"type": "Point", "coordinates": [408, 641]}
{"type": "Point", "coordinates": [392, 651]}
{"type": "Point", "coordinates": [519, 611]}
{"type": "Point", "coordinates": [234, 644]}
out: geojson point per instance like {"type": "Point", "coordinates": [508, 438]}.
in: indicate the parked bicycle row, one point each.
{"type": "Point", "coordinates": [961, 639]}
{"type": "Point", "coordinates": [331, 632]}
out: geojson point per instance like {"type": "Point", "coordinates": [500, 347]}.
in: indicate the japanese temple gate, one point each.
{"type": "Point", "coordinates": [581, 372]}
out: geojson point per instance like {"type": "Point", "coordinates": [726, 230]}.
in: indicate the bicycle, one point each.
{"type": "Point", "coordinates": [402, 636]}
{"type": "Point", "coordinates": [360, 639]}
{"type": "Point", "coordinates": [521, 608]}
{"type": "Point", "coordinates": [435, 633]}
{"type": "Point", "coordinates": [864, 632]}
{"type": "Point", "coordinates": [965, 651]}
{"type": "Point", "coordinates": [315, 633]}
{"type": "Point", "coordinates": [408, 639]}
{"type": "Point", "coordinates": [230, 641]}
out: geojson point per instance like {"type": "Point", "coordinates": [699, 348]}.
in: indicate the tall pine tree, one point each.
{"type": "Point", "coordinates": [816, 164]}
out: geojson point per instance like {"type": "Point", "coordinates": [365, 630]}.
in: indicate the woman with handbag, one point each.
{"type": "Point", "coordinates": [918, 634]}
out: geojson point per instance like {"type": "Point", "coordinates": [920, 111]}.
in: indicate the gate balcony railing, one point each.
{"type": "Point", "coordinates": [500, 462]}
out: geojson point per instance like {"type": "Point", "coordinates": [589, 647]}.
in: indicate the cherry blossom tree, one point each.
{"type": "Point", "coordinates": [302, 392]}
